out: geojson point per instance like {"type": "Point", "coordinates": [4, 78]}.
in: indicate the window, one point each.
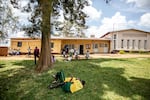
{"type": "Point", "coordinates": [95, 46]}
{"type": "Point", "coordinates": [133, 44]}
{"type": "Point", "coordinates": [114, 36]}
{"type": "Point", "coordinates": [122, 43]}
{"type": "Point", "coordinates": [105, 45]}
{"type": "Point", "coordinates": [139, 44]}
{"type": "Point", "coordinates": [19, 44]}
{"type": "Point", "coordinates": [114, 44]}
{"type": "Point", "coordinates": [71, 46]}
{"type": "Point", "coordinates": [66, 46]}
{"type": "Point", "coordinates": [101, 45]}
{"type": "Point", "coordinates": [128, 42]}
{"type": "Point", "coordinates": [145, 44]}
{"type": "Point", "coordinates": [88, 46]}
{"type": "Point", "coordinates": [52, 45]}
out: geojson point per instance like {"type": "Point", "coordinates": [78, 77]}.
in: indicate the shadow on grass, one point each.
{"type": "Point", "coordinates": [141, 86]}
{"type": "Point", "coordinates": [11, 75]}
{"type": "Point", "coordinates": [2, 65]}
{"type": "Point", "coordinates": [29, 64]}
{"type": "Point", "coordinates": [101, 60]}
{"type": "Point", "coordinates": [23, 83]}
{"type": "Point", "coordinates": [20, 81]}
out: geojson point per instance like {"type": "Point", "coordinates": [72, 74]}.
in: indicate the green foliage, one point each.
{"type": "Point", "coordinates": [105, 79]}
{"type": "Point", "coordinates": [71, 10]}
{"type": "Point", "coordinates": [141, 51]}
{"type": "Point", "coordinates": [121, 52]}
{"type": "Point", "coordinates": [131, 51]}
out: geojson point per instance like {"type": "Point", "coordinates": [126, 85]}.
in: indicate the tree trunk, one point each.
{"type": "Point", "coordinates": [45, 54]}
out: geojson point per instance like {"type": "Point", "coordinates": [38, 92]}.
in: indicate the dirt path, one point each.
{"type": "Point", "coordinates": [17, 57]}
{"type": "Point", "coordinates": [26, 57]}
{"type": "Point", "coordinates": [119, 55]}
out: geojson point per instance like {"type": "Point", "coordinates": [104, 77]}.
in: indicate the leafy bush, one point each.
{"type": "Point", "coordinates": [130, 51]}
{"type": "Point", "coordinates": [121, 52]}
{"type": "Point", "coordinates": [141, 51]}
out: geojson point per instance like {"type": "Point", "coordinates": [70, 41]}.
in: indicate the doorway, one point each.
{"type": "Point", "coordinates": [81, 49]}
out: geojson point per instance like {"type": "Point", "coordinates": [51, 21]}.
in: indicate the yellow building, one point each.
{"type": "Point", "coordinates": [93, 45]}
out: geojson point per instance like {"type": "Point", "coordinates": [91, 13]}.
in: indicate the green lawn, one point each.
{"type": "Point", "coordinates": [106, 79]}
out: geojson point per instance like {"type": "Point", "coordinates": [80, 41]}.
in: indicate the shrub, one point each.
{"type": "Point", "coordinates": [141, 51]}
{"type": "Point", "coordinates": [130, 51]}
{"type": "Point", "coordinates": [121, 52]}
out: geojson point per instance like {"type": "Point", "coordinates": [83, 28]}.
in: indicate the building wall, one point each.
{"type": "Point", "coordinates": [101, 46]}
{"type": "Point", "coordinates": [25, 44]}
{"type": "Point", "coordinates": [148, 42]}
{"type": "Point", "coordinates": [93, 46]}
{"type": "Point", "coordinates": [131, 40]}
{"type": "Point", "coordinates": [3, 51]}
{"type": "Point", "coordinates": [32, 43]}
{"type": "Point", "coordinates": [56, 46]}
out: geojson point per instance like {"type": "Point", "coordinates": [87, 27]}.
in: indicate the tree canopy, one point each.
{"type": "Point", "coordinates": [41, 21]}
{"type": "Point", "coordinates": [8, 21]}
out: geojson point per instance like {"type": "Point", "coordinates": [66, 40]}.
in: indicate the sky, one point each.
{"type": "Point", "coordinates": [116, 15]}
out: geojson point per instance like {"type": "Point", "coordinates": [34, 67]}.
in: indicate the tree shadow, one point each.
{"type": "Point", "coordinates": [141, 86]}
{"type": "Point", "coordinates": [99, 81]}
{"type": "Point", "coordinates": [101, 60]}
{"type": "Point", "coordinates": [26, 63]}
{"type": "Point", "coordinates": [110, 79]}
{"type": "Point", "coordinates": [12, 76]}
{"type": "Point", "coordinates": [20, 81]}
{"type": "Point", "coordinates": [2, 65]}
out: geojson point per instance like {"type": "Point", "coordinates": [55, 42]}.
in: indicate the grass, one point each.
{"type": "Point", "coordinates": [106, 79]}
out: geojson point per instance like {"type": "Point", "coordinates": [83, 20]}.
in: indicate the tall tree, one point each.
{"type": "Point", "coordinates": [68, 29]}
{"type": "Point", "coordinates": [74, 17]}
{"type": "Point", "coordinates": [45, 56]}
{"type": "Point", "coordinates": [45, 9]}
{"type": "Point", "coordinates": [72, 12]}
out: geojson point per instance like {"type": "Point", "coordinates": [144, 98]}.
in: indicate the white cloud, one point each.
{"type": "Point", "coordinates": [131, 23]}
{"type": "Point", "coordinates": [92, 12]}
{"type": "Point", "coordinates": [116, 22]}
{"type": "Point", "coordinates": [140, 3]}
{"type": "Point", "coordinates": [90, 2]}
{"type": "Point", "coordinates": [145, 20]}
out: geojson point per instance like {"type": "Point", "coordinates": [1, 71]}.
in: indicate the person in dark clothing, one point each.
{"type": "Point", "coordinates": [36, 53]}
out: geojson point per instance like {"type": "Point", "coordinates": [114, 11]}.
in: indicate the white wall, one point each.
{"type": "Point", "coordinates": [130, 36]}
{"type": "Point", "coordinates": [5, 42]}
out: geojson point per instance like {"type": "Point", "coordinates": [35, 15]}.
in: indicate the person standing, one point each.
{"type": "Point", "coordinates": [64, 53]}
{"type": "Point", "coordinates": [76, 54]}
{"type": "Point", "coordinates": [29, 51]}
{"type": "Point", "coordinates": [87, 55]}
{"type": "Point", "coordinates": [36, 53]}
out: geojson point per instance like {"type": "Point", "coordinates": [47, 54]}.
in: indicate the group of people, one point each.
{"type": "Point", "coordinates": [14, 52]}
{"type": "Point", "coordinates": [69, 54]}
